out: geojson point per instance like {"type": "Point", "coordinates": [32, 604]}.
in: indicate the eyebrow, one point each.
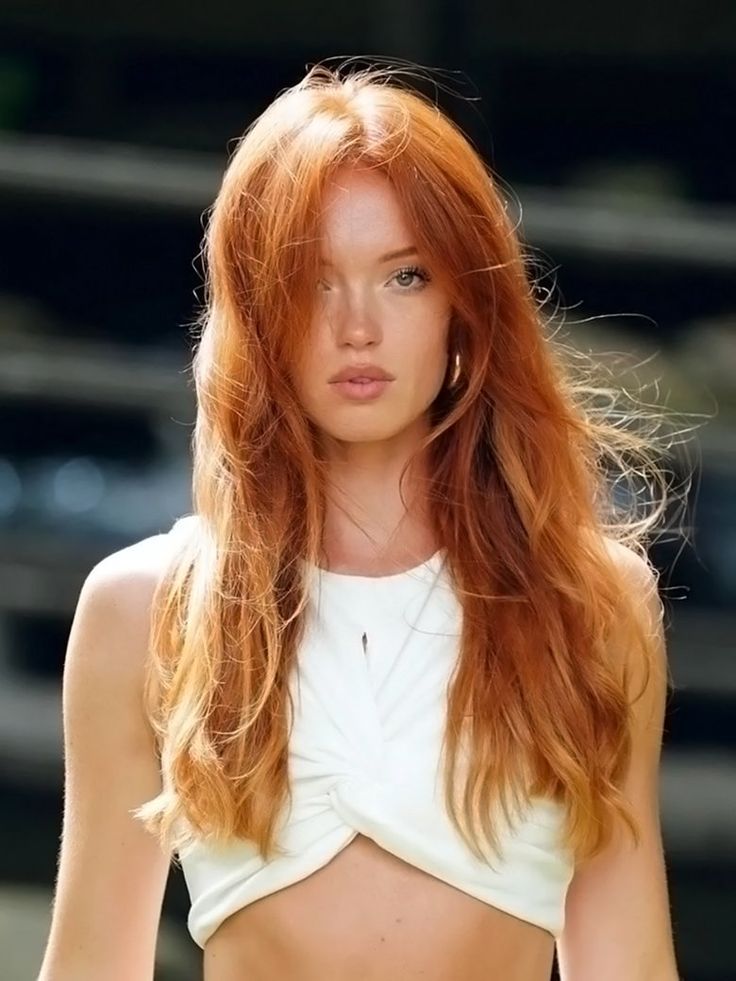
{"type": "Point", "coordinates": [388, 256]}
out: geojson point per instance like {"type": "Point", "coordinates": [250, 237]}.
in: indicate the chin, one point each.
{"type": "Point", "coordinates": [362, 434]}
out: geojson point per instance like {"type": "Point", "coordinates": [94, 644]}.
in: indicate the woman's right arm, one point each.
{"type": "Point", "coordinates": [111, 873]}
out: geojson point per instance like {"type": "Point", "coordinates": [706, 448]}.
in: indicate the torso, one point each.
{"type": "Point", "coordinates": [369, 916]}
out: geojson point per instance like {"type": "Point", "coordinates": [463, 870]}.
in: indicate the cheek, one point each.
{"type": "Point", "coordinates": [437, 371]}
{"type": "Point", "coordinates": [431, 354]}
{"type": "Point", "coordinates": [423, 374]}
{"type": "Point", "coordinates": [310, 379]}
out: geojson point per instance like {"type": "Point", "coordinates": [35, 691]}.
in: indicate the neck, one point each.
{"type": "Point", "coordinates": [366, 520]}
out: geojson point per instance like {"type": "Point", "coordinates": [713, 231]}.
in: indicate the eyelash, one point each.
{"type": "Point", "coordinates": [423, 275]}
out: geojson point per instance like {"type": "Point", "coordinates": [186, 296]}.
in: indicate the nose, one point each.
{"type": "Point", "coordinates": [355, 320]}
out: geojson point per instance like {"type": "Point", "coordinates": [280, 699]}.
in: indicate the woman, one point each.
{"type": "Point", "coordinates": [403, 667]}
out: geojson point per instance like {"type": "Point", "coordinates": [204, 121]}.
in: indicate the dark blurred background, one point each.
{"type": "Point", "coordinates": [610, 127]}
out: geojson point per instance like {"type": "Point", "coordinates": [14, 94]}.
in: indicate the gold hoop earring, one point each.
{"type": "Point", "coordinates": [456, 369]}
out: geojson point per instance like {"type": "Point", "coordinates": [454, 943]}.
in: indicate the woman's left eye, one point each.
{"type": "Point", "coordinates": [414, 271]}
{"type": "Point", "coordinates": [414, 278]}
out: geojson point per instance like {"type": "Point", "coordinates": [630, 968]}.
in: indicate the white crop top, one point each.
{"type": "Point", "coordinates": [369, 713]}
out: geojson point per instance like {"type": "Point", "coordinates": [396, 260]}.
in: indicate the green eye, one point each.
{"type": "Point", "coordinates": [415, 272]}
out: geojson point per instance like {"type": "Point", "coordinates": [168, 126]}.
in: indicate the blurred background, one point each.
{"type": "Point", "coordinates": [610, 127]}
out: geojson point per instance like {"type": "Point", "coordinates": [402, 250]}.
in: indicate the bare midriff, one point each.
{"type": "Point", "coordinates": [369, 916]}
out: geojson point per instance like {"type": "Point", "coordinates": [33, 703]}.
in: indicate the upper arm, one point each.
{"type": "Point", "coordinates": [112, 873]}
{"type": "Point", "coordinates": [617, 913]}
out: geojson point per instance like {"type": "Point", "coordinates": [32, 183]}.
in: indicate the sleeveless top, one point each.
{"type": "Point", "coordinates": [369, 710]}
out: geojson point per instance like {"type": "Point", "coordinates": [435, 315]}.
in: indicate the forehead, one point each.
{"type": "Point", "coordinates": [362, 216]}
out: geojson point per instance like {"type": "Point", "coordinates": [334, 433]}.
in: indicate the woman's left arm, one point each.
{"type": "Point", "coordinates": [617, 912]}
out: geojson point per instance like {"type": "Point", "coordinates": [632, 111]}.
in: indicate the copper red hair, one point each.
{"type": "Point", "coordinates": [523, 450]}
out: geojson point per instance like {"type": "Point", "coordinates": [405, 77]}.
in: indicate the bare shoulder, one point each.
{"type": "Point", "coordinates": [110, 631]}
{"type": "Point", "coordinates": [635, 568]}
{"type": "Point", "coordinates": [132, 573]}
{"type": "Point", "coordinates": [640, 581]}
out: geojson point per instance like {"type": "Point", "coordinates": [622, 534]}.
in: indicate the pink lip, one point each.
{"type": "Point", "coordinates": [362, 391]}
{"type": "Point", "coordinates": [361, 372]}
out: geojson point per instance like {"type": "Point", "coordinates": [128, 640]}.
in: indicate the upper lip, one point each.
{"type": "Point", "coordinates": [360, 371]}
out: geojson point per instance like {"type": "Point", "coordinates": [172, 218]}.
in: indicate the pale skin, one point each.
{"type": "Point", "coordinates": [366, 915]}
{"type": "Point", "coordinates": [380, 312]}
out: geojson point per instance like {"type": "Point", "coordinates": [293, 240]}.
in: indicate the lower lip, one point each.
{"type": "Point", "coordinates": [361, 391]}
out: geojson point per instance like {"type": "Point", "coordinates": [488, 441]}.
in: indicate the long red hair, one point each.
{"type": "Point", "coordinates": [525, 455]}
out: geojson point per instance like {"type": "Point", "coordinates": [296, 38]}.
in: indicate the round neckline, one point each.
{"type": "Point", "coordinates": [429, 565]}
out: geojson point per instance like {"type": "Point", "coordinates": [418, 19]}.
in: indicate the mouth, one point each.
{"type": "Point", "coordinates": [361, 373]}
{"type": "Point", "coordinates": [361, 387]}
